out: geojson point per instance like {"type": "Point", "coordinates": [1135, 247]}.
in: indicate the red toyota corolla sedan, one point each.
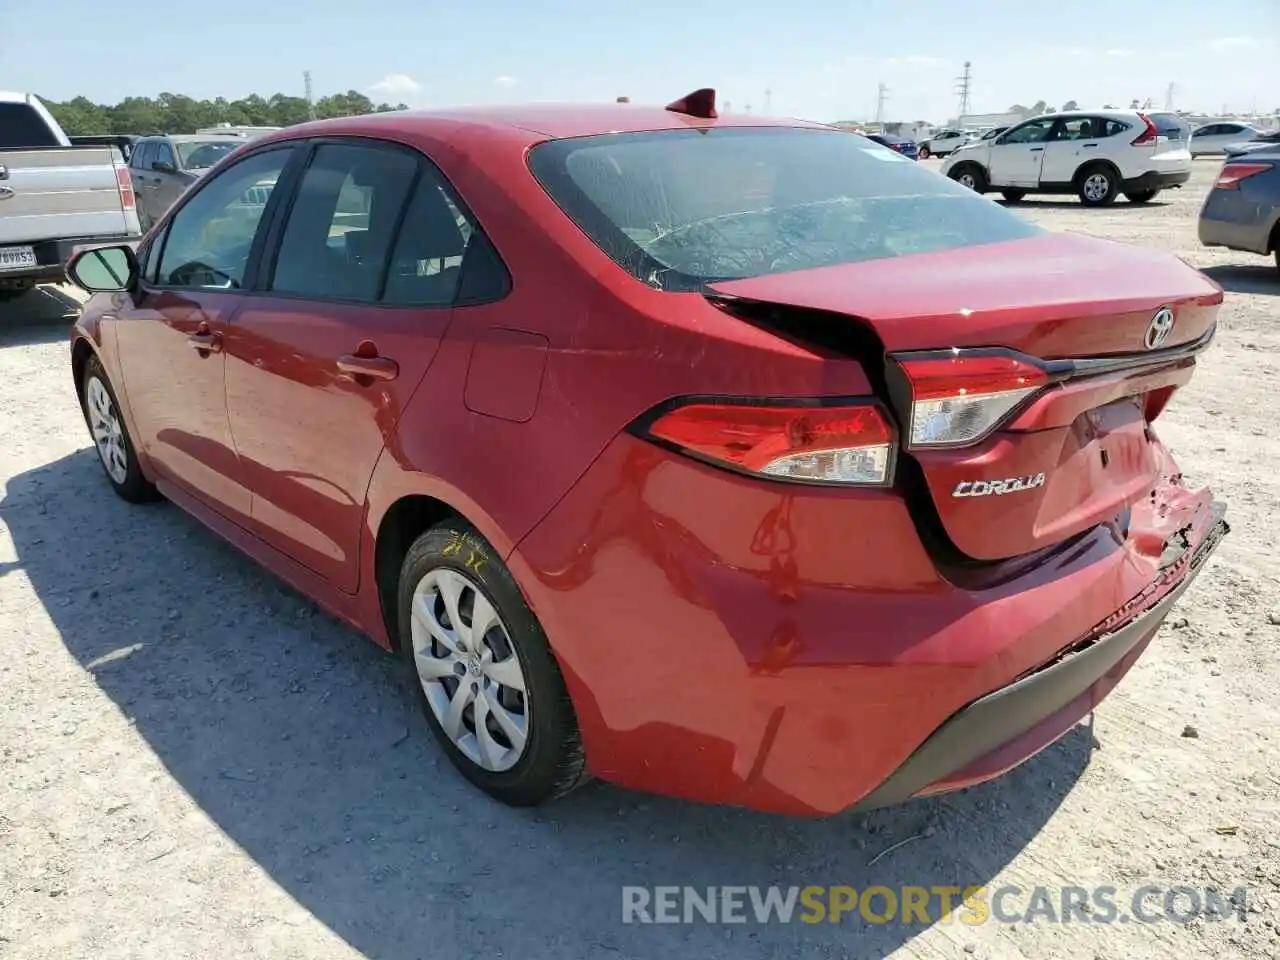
{"type": "Point", "coordinates": [736, 459]}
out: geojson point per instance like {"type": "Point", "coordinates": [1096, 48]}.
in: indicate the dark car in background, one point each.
{"type": "Point", "coordinates": [163, 167]}
{"type": "Point", "coordinates": [902, 145]}
{"type": "Point", "coordinates": [122, 142]}
{"type": "Point", "coordinates": [1242, 211]}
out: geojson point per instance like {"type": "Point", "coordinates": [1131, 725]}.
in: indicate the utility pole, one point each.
{"type": "Point", "coordinates": [964, 85]}
{"type": "Point", "coordinates": [1168, 96]}
{"type": "Point", "coordinates": [882, 94]}
{"type": "Point", "coordinates": [311, 102]}
{"type": "Point", "coordinates": [768, 101]}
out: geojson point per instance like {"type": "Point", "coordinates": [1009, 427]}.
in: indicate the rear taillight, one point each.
{"type": "Point", "coordinates": [839, 443]}
{"type": "Point", "coordinates": [124, 183]}
{"type": "Point", "coordinates": [1233, 173]}
{"type": "Point", "coordinates": [959, 398]}
{"type": "Point", "coordinates": [1150, 134]}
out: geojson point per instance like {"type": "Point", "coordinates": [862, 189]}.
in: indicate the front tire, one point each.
{"type": "Point", "coordinates": [111, 438]}
{"type": "Point", "coordinates": [1098, 186]}
{"type": "Point", "coordinates": [482, 670]}
{"type": "Point", "coordinates": [1142, 196]}
{"type": "Point", "coordinates": [970, 175]}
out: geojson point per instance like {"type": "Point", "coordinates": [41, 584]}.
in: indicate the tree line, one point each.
{"type": "Point", "coordinates": [177, 113]}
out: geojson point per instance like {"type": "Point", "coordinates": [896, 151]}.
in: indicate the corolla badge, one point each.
{"type": "Point", "coordinates": [1158, 329]}
{"type": "Point", "coordinates": [997, 488]}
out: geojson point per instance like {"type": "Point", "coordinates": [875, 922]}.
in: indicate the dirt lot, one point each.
{"type": "Point", "coordinates": [194, 762]}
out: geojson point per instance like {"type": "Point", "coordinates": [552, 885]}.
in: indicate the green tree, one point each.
{"type": "Point", "coordinates": [179, 113]}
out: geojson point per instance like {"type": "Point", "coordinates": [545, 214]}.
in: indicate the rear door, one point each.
{"type": "Point", "coordinates": [169, 182]}
{"type": "Point", "coordinates": [144, 178]}
{"type": "Point", "coordinates": [1017, 156]}
{"type": "Point", "coordinates": [324, 358]}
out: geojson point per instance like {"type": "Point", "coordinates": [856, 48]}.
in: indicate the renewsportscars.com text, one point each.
{"type": "Point", "coordinates": [972, 905]}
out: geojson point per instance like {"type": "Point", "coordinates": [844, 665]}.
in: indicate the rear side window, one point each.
{"type": "Point", "coordinates": [22, 126]}
{"type": "Point", "coordinates": [681, 208]}
{"type": "Point", "coordinates": [343, 223]}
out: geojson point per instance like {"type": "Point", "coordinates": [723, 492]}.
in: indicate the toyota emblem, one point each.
{"type": "Point", "coordinates": [1158, 329]}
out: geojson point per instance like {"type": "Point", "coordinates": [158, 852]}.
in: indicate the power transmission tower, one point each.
{"type": "Point", "coordinates": [728, 106]}
{"type": "Point", "coordinates": [964, 84]}
{"type": "Point", "coordinates": [1168, 96]}
{"type": "Point", "coordinates": [311, 102]}
{"type": "Point", "coordinates": [768, 101]}
{"type": "Point", "coordinates": [882, 94]}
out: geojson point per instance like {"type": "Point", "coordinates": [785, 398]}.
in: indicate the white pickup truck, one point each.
{"type": "Point", "coordinates": [54, 197]}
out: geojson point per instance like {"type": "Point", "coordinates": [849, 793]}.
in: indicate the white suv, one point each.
{"type": "Point", "coordinates": [1097, 155]}
{"type": "Point", "coordinates": [943, 143]}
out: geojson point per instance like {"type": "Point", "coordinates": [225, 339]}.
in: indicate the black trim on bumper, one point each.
{"type": "Point", "coordinates": [1153, 180]}
{"type": "Point", "coordinates": [992, 721]}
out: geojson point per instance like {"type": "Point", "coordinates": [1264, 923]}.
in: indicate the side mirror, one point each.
{"type": "Point", "coordinates": [163, 166]}
{"type": "Point", "coordinates": [104, 269]}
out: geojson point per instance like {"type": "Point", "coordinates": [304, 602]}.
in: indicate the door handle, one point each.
{"type": "Point", "coordinates": [375, 368]}
{"type": "Point", "coordinates": [205, 340]}
{"type": "Point", "coordinates": [1037, 150]}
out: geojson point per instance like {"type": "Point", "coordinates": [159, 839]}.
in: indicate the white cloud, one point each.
{"type": "Point", "coordinates": [504, 81]}
{"type": "Point", "coordinates": [1233, 43]}
{"type": "Point", "coordinates": [400, 84]}
{"type": "Point", "coordinates": [1075, 52]}
{"type": "Point", "coordinates": [1119, 52]}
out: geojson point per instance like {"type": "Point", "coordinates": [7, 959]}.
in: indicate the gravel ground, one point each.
{"type": "Point", "coordinates": [197, 763]}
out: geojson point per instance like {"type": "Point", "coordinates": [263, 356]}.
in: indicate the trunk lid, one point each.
{"type": "Point", "coordinates": [1080, 450]}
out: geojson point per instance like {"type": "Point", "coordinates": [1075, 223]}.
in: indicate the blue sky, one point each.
{"type": "Point", "coordinates": [821, 59]}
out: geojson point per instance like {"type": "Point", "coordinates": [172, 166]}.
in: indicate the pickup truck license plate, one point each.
{"type": "Point", "coordinates": [17, 258]}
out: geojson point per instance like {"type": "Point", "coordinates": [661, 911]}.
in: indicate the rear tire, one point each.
{"type": "Point", "coordinates": [1098, 186]}
{"type": "Point", "coordinates": [497, 703]}
{"type": "Point", "coordinates": [1142, 196]}
{"type": "Point", "coordinates": [1013, 196]}
{"type": "Point", "coordinates": [970, 175]}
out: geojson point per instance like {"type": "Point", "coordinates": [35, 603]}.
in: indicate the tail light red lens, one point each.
{"type": "Point", "coordinates": [124, 183]}
{"type": "Point", "coordinates": [959, 398]}
{"type": "Point", "coordinates": [1150, 134]}
{"type": "Point", "coordinates": [1233, 173]}
{"type": "Point", "coordinates": [844, 444]}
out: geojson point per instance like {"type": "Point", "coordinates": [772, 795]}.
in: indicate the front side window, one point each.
{"type": "Point", "coordinates": [1037, 131]}
{"type": "Point", "coordinates": [682, 208]}
{"type": "Point", "coordinates": [210, 238]}
{"type": "Point", "coordinates": [164, 153]}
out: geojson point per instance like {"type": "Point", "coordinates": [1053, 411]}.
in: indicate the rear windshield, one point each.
{"type": "Point", "coordinates": [682, 208]}
{"type": "Point", "coordinates": [22, 126]}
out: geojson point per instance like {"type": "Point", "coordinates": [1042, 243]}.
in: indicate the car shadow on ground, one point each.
{"type": "Point", "coordinates": [41, 315]}
{"type": "Point", "coordinates": [1261, 278]}
{"type": "Point", "coordinates": [298, 740]}
{"type": "Point", "coordinates": [1038, 203]}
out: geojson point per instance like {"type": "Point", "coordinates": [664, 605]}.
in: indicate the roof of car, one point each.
{"type": "Point", "coordinates": [197, 137]}
{"type": "Point", "coordinates": [550, 121]}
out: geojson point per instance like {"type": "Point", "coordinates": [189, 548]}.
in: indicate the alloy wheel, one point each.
{"type": "Point", "coordinates": [469, 670]}
{"type": "Point", "coordinates": [108, 436]}
{"type": "Point", "coordinates": [1097, 186]}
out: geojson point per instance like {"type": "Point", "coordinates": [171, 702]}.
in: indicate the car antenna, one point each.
{"type": "Point", "coordinates": [700, 103]}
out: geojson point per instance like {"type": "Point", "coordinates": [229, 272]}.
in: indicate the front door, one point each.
{"type": "Point", "coordinates": [169, 182]}
{"type": "Point", "coordinates": [1018, 154]}
{"type": "Point", "coordinates": [322, 361]}
{"type": "Point", "coordinates": [172, 337]}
